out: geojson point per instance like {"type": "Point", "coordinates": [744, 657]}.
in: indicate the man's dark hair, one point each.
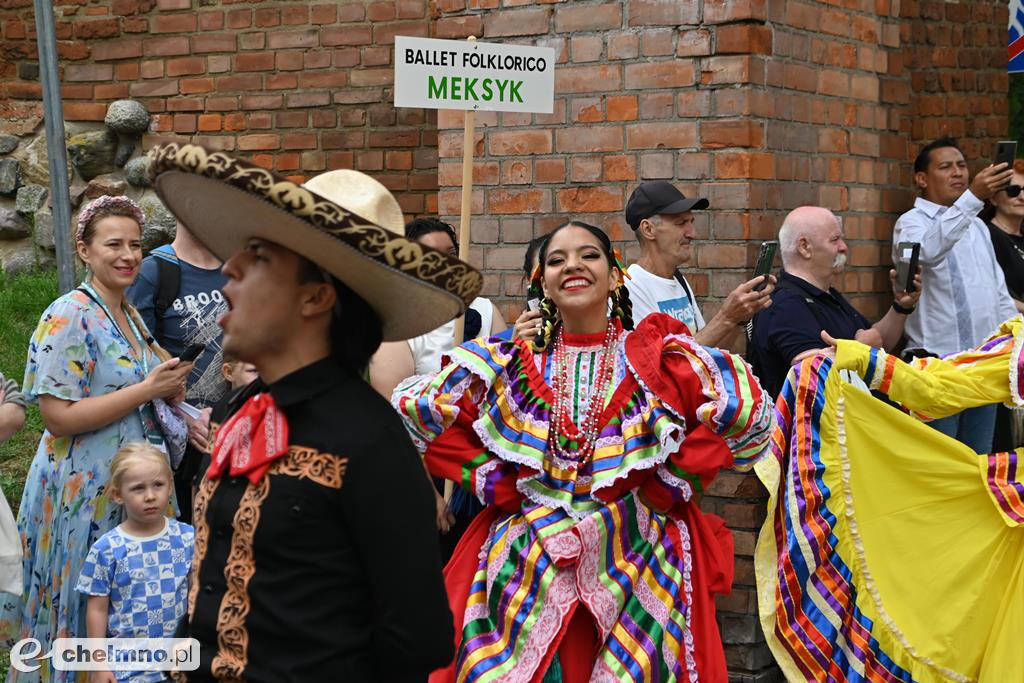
{"type": "Point", "coordinates": [924, 157]}
{"type": "Point", "coordinates": [424, 226]}
{"type": "Point", "coordinates": [356, 331]}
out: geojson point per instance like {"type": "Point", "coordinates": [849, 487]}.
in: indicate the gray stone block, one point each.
{"type": "Point", "coordinates": [127, 116]}
{"type": "Point", "coordinates": [13, 226]}
{"type": "Point", "coordinates": [17, 258]}
{"type": "Point", "coordinates": [31, 198]}
{"type": "Point", "coordinates": [10, 176]}
{"type": "Point", "coordinates": [42, 230]}
{"type": "Point", "coordinates": [92, 154]}
{"type": "Point", "coordinates": [136, 172]}
{"type": "Point", "coordinates": [8, 143]}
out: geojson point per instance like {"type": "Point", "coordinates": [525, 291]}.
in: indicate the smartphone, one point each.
{"type": "Point", "coordinates": [1006, 152]}
{"type": "Point", "coordinates": [532, 304]}
{"type": "Point", "coordinates": [907, 255]}
{"type": "Point", "coordinates": [765, 259]}
{"type": "Point", "coordinates": [191, 352]}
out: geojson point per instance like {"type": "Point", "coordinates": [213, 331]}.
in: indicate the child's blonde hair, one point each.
{"type": "Point", "coordinates": [132, 453]}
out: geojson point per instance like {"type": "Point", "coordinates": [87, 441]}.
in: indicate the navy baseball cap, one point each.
{"type": "Point", "coordinates": [656, 197]}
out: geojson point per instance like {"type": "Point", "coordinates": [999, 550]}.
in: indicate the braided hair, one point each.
{"type": "Point", "coordinates": [621, 306]}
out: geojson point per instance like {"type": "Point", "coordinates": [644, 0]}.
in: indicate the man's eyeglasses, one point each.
{"type": "Point", "coordinates": [1012, 190]}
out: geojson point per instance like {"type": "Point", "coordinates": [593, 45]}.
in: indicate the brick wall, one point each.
{"type": "Point", "coordinates": [298, 87]}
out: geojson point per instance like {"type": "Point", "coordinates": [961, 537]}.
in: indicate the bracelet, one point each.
{"type": "Point", "coordinates": [902, 309]}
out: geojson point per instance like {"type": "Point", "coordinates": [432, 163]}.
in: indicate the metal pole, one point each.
{"type": "Point", "coordinates": [53, 120]}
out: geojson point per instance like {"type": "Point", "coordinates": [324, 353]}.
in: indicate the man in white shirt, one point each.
{"type": "Point", "coordinates": [662, 219]}
{"type": "Point", "coordinates": [965, 297]}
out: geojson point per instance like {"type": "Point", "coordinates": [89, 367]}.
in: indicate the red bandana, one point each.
{"type": "Point", "coordinates": [251, 440]}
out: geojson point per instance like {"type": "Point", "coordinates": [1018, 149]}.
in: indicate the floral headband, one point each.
{"type": "Point", "coordinates": [108, 202]}
{"type": "Point", "coordinates": [535, 290]}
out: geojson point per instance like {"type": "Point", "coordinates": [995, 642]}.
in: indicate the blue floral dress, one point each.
{"type": "Point", "coordinates": [76, 352]}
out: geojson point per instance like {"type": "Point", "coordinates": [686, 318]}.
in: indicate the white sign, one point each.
{"type": "Point", "coordinates": [458, 74]}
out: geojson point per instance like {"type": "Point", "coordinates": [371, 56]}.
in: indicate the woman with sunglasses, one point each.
{"type": "Point", "coordinates": [588, 444]}
{"type": "Point", "coordinates": [1004, 216]}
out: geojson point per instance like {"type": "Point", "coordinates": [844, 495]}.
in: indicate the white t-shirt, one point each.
{"type": "Point", "coordinates": [428, 348]}
{"type": "Point", "coordinates": [652, 294]}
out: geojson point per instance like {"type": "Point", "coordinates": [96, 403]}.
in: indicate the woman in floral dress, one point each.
{"type": "Point", "coordinates": [94, 370]}
{"type": "Point", "coordinates": [592, 561]}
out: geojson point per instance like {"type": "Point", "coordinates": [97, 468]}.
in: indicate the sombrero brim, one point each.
{"type": "Point", "coordinates": [227, 201]}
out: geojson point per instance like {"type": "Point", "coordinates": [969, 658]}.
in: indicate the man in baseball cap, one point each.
{"type": "Point", "coordinates": [662, 218]}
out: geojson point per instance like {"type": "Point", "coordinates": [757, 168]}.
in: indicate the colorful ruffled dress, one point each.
{"type": "Point", "coordinates": [892, 552]}
{"type": "Point", "coordinates": [595, 570]}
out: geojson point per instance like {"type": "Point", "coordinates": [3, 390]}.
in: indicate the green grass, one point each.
{"type": "Point", "coordinates": [22, 301]}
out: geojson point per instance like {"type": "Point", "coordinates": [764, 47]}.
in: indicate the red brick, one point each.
{"type": "Point", "coordinates": [288, 161]}
{"type": "Point", "coordinates": [128, 7]}
{"type": "Point", "coordinates": [119, 49]}
{"type": "Point", "coordinates": [152, 68]}
{"type": "Point", "coordinates": [259, 141]}
{"type": "Point", "coordinates": [341, 140]}
{"type": "Point", "coordinates": [154, 89]}
{"type": "Point", "coordinates": [211, 21]}
{"type": "Point", "coordinates": [724, 11]}
{"type": "Point", "coordinates": [184, 123]}
{"type": "Point", "coordinates": [569, 19]}
{"type": "Point", "coordinates": [525, 22]}
{"type": "Point", "coordinates": [351, 12]}
{"type": "Point", "coordinates": [585, 169]}
{"type": "Point", "coordinates": [135, 25]}
{"type": "Point", "coordinates": [411, 9]}
{"type": "Point", "coordinates": [619, 168]}
{"type": "Point", "coordinates": [323, 118]}
{"type": "Point", "coordinates": [214, 42]}
{"type": "Point", "coordinates": [282, 40]}
{"type": "Point", "coordinates": [589, 139]}
{"type": "Point", "coordinates": [759, 165]}
{"type": "Point", "coordinates": [380, 11]}
{"type": "Point", "coordinates": [252, 41]}
{"type": "Point", "coordinates": [621, 107]}
{"type": "Point", "coordinates": [173, 23]}
{"type": "Point", "coordinates": [323, 14]}
{"type": "Point", "coordinates": [254, 61]}
{"type": "Point", "coordinates": [409, 138]}
{"type": "Point", "coordinates": [69, 91]}
{"type": "Point", "coordinates": [549, 170]}
{"type": "Point", "coordinates": [833, 140]}
{"type": "Point", "coordinates": [191, 86]}
{"type": "Point", "coordinates": [102, 28]}
{"type": "Point", "coordinates": [88, 72]}
{"type": "Point", "coordinates": [287, 81]}
{"type": "Point", "coordinates": [459, 27]}
{"type": "Point", "coordinates": [602, 78]}
{"type": "Point", "coordinates": [185, 104]}
{"type": "Point", "coordinates": [730, 69]}
{"type": "Point", "coordinates": [345, 35]}
{"type": "Point", "coordinates": [832, 82]}
{"type": "Point", "coordinates": [519, 143]}
{"type": "Point", "coordinates": [239, 18]}
{"type": "Point", "coordinates": [586, 48]}
{"type": "Point", "coordinates": [586, 110]}
{"type": "Point", "coordinates": [299, 141]}
{"type": "Point", "coordinates": [384, 34]}
{"type": "Point", "coordinates": [672, 74]}
{"type": "Point", "coordinates": [185, 66]}
{"type": "Point", "coordinates": [127, 71]}
{"type": "Point", "coordinates": [590, 199]}
{"type": "Point", "coordinates": [111, 91]}
{"type": "Point", "coordinates": [173, 4]}
{"type": "Point", "coordinates": [291, 119]}
{"type": "Point", "coordinates": [723, 133]}
{"type": "Point", "coordinates": [376, 56]}
{"type": "Point", "coordinates": [72, 50]}
{"type": "Point", "coordinates": [324, 79]}
{"type": "Point", "coordinates": [743, 39]}
{"type": "Point", "coordinates": [524, 201]}
{"type": "Point", "coordinates": [167, 46]}
{"type": "Point", "coordinates": [308, 99]}
{"type": "Point", "coordinates": [623, 46]}
{"type": "Point", "coordinates": [267, 17]}
{"type": "Point", "coordinates": [657, 42]}
{"type": "Point", "coordinates": [663, 13]}
{"type": "Point", "coordinates": [234, 121]}
{"type": "Point", "coordinates": [668, 135]}
{"type": "Point", "coordinates": [241, 82]}
{"type": "Point", "coordinates": [261, 101]}
{"type": "Point", "coordinates": [295, 15]}
{"type": "Point", "coordinates": [84, 111]}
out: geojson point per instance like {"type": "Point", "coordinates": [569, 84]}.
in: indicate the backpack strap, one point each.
{"type": "Point", "coordinates": [168, 281]}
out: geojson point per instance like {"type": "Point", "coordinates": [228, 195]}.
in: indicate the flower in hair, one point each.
{"type": "Point", "coordinates": [108, 202]}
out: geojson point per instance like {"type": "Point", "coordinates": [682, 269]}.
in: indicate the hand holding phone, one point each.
{"type": "Point", "coordinates": [907, 256]}
{"type": "Point", "coordinates": [191, 353]}
{"type": "Point", "coordinates": [765, 259]}
{"type": "Point", "coordinates": [1006, 152]}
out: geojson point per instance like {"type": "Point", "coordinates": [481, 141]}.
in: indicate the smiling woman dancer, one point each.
{"type": "Point", "coordinates": [94, 370]}
{"type": "Point", "coordinates": [591, 561]}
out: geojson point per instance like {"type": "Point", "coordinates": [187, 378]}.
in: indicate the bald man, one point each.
{"type": "Point", "coordinates": [805, 301]}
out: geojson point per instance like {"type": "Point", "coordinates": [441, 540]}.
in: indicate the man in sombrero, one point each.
{"type": "Point", "coordinates": [316, 555]}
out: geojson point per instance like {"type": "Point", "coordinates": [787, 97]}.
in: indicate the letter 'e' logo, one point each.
{"type": "Point", "coordinates": [29, 648]}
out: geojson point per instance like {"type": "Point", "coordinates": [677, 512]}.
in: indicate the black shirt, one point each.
{"type": "Point", "coordinates": [328, 569]}
{"type": "Point", "coordinates": [793, 324]}
{"type": "Point", "coordinates": [1009, 251]}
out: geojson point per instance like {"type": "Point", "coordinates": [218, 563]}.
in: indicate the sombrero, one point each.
{"type": "Point", "coordinates": [226, 201]}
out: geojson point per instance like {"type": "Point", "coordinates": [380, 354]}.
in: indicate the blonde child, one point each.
{"type": "Point", "coordinates": [136, 575]}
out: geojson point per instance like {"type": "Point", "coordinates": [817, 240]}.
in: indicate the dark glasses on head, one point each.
{"type": "Point", "coordinates": [1012, 190]}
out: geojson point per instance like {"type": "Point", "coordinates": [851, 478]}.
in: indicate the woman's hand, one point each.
{"type": "Point", "coordinates": [527, 325]}
{"type": "Point", "coordinates": [445, 519]}
{"type": "Point", "coordinates": [167, 380]}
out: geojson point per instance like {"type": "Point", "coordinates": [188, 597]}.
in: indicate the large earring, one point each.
{"type": "Point", "coordinates": [622, 306]}
{"type": "Point", "coordinates": [548, 319]}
